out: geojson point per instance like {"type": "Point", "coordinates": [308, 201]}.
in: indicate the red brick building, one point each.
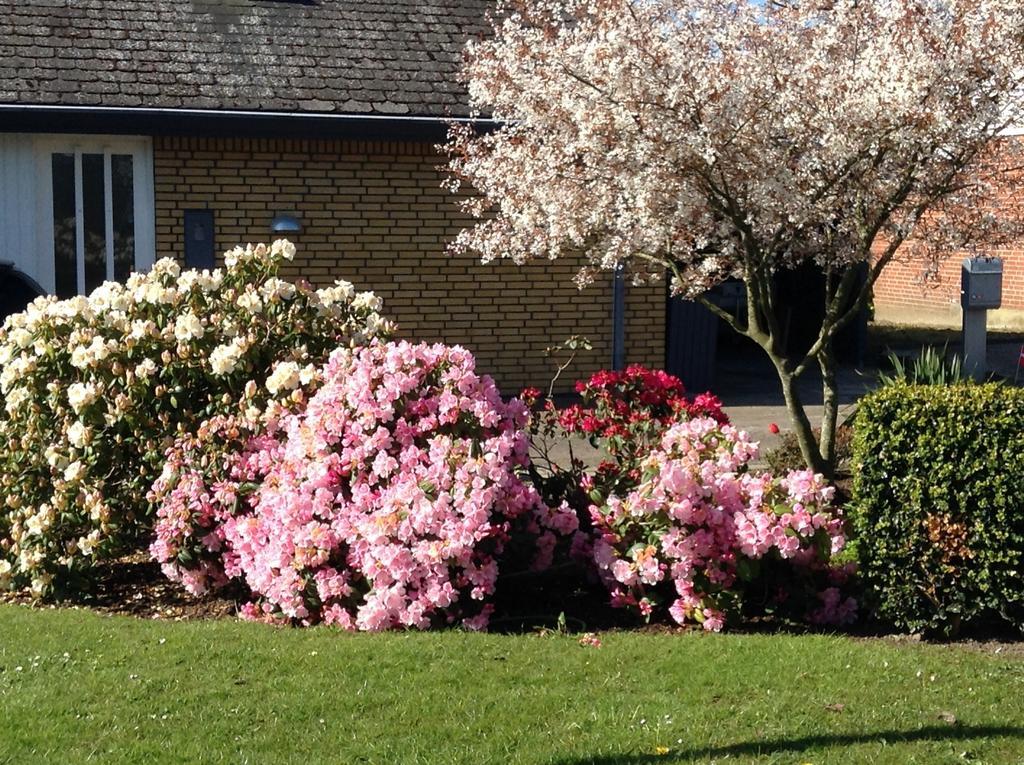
{"type": "Point", "coordinates": [906, 294]}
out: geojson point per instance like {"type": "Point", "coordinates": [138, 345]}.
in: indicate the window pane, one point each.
{"type": "Point", "coordinates": [65, 270]}
{"type": "Point", "coordinates": [123, 200]}
{"type": "Point", "coordinates": [94, 220]}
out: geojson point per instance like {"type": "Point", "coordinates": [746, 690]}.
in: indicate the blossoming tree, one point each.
{"type": "Point", "coordinates": [716, 139]}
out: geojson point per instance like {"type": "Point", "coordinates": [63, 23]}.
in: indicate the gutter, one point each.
{"type": "Point", "coordinates": [121, 120]}
{"type": "Point", "coordinates": [619, 319]}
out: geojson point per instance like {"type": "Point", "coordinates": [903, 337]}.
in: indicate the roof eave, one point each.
{"type": "Point", "coordinates": [32, 118]}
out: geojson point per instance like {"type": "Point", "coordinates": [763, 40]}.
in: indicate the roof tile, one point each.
{"type": "Point", "coordinates": [319, 56]}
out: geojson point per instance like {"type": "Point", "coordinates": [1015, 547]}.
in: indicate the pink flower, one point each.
{"type": "Point", "coordinates": [713, 620]}
{"type": "Point", "coordinates": [590, 640]}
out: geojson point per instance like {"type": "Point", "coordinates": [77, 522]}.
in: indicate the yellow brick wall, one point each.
{"type": "Point", "coordinates": [374, 213]}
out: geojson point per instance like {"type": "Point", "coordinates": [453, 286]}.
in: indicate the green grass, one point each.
{"type": "Point", "coordinates": [77, 687]}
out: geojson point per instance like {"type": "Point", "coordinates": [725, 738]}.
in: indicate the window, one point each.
{"type": "Point", "coordinates": [100, 221]}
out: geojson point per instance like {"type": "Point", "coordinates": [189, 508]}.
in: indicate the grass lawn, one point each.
{"type": "Point", "coordinates": [78, 687]}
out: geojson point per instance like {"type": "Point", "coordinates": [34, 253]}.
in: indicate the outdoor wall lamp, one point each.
{"type": "Point", "coordinates": [286, 223]}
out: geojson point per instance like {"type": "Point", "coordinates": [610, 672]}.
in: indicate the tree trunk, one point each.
{"type": "Point", "coordinates": [802, 424]}
{"type": "Point", "coordinates": [830, 401]}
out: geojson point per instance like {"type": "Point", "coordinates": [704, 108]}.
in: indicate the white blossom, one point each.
{"type": "Point", "coordinates": [250, 301]}
{"type": "Point", "coordinates": [285, 376]}
{"type": "Point", "coordinates": [224, 358]}
{"type": "Point", "coordinates": [78, 434]}
{"type": "Point", "coordinates": [73, 473]}
{"type": "Point", "coordinates": [188, 327]}
{"type": "Point", "coordinates": [666, 132]}
{"type": "Point", "coordinates": [367, 300]}
{"type": "Point", "coordinates": [80, 395]}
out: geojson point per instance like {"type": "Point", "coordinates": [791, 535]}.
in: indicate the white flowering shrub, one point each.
{"type": "Point", "coordinates": [96, 388]}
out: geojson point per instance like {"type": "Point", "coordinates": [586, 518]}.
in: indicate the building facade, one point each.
{"type": "Point", "coordinates": [134, 130]}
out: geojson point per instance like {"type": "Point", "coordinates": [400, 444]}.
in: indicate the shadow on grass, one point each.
{"type": "Point", "coordinates": [799, 745]}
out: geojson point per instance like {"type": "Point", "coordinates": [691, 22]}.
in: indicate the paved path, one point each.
{"type": "Point", "coordinates": [752, 396]}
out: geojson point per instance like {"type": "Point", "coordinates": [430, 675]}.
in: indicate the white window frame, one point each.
{"type": "Point", "coordinates": [141, 150]}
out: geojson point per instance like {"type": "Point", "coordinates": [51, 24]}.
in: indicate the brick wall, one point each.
{"type": "Point", "coordinates": [903, 295]}
{"type": "Point", "coordinates": [906, 294]}
{"type": "Point", "coordinates": [374, 213]}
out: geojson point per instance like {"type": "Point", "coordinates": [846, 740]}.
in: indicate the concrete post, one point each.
{"type": "Point", "coordinates": [981, 288]}
{"type": "Point", "coordinates": [976, 342]}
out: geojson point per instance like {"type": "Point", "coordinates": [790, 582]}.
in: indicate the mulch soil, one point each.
{"type": "Point", "coordinates": [134, 586]}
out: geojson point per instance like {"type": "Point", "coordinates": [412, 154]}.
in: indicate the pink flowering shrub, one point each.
{"type": "Point", "coordinates": [673, 523]}
{"type": "Point", "coordinates": [624, 413]}
{"type": "Point", "coordinates": [699, 533]}
{"type": "Point", "coordinates": [389, 501]}
{"type": "Point", "coordinates": [208, 478]}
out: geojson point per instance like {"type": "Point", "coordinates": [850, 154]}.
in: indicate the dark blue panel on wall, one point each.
{"type": "Point", "coordinates": [692, 344]}
{"type": "Point", "coordinates": [199, 240]}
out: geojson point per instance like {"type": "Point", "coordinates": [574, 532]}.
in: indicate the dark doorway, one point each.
{"type": "Point", "coordinates": [697, 340]}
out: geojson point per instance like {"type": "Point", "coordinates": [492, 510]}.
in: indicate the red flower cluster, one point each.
{"type": "Point", "coordinates": [616, 402]}
{"type": "Point", "coordinates": [624, 413]}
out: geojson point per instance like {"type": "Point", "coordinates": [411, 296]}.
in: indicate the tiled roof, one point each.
{"type": "Point", "coordinates": [392, 58]}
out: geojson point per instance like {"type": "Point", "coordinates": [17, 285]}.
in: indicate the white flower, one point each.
{"type": "Point", "coordinates": [142, 328]}
{"type": "Point", "coordinates": [21, 337]}
{"type": "Point", "coordinates": [29, 559]}
{"type": "Point", "coordinates": [6, 580]}
{"type": "Point", "coordinates": [156, 294]}
{"type": "Point", "coordinates": [109, 296]}
{"type": "Point", "coordinates": [15, 399]}
{"type": "Point", "coordinates": [145, 369]}
{"type": "Point", "coordinates": [224, 358]}
{"type": "Point", "coordinates": [95, 506]}
{"type": "Point", "coordinates": [74, 472]}
{"type": "Point", "coordinates": [80, 395]}
{"type": "Point", "coordinates": [89, 543]}
{"type": "Point", "coordinates": [80, 357]}
{"type": "Point", "coordinates": [78, 434]}
{"type": "Point", "coordinates": [249, 301]}
{"type": "Point", "coordinates": [85, 356]}
{"type": "Point", "coordinates": [284, 248]}
{"type": "Point", "coordinates": [211, 280]}
{"type": "Point", "coordinates": [188, 327]}
{"type": "Point", "coordinates": [341, 292]}
{"type": "Point", "coordinates": [39, 522]}
{"type": "Point", "coordinates": [377, 324]}
{"type": "Point", "coordinates": [54, 458]}
{"type": "Point", "coordinates": [284, 377]}
{"type": "Point", "coordinates": [167, 266]}
{"type": "Point", "coordinates": [41, 584]}
{"type": "Point", "coordinates": [367, 300]}
{"type": "Point", "coordinates": [274, 288]}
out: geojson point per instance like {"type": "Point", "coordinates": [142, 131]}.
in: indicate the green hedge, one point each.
{"type": "Point", "coordinates": [939, 505]}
